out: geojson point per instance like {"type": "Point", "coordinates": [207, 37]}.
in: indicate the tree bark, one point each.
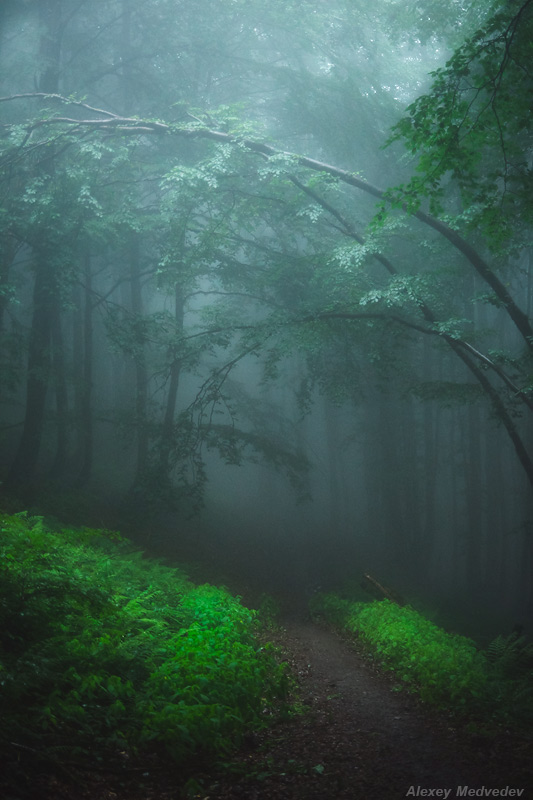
{"type": "Point", "coordinates": [45, 288]}
{"type": "Point", "coordinates": [141, 372]}
{"type": "Point", "coordinates": [61, 392]}
{"type": "Point", "coordinates": [38, 367]}
{"type": "Point", "coordinates": [167, 430]}
{"type": "Point", "coordinates": [86, 413]}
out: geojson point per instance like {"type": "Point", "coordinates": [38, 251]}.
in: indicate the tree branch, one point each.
{"type": "Point", "coordinates": [130, 125]}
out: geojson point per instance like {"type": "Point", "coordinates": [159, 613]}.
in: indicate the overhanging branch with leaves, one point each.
{"type": "Point", "coordinates": [110, 123]}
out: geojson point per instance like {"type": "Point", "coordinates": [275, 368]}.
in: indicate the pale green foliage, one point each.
{"type": "Point", "coordinates": [251, 250]}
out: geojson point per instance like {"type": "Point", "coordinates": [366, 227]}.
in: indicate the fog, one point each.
{"type": "Point", "coordinates": [212, 342]}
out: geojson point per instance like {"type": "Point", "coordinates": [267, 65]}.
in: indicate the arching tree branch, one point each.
{"type": "Point", "coordinates": [108, 122]}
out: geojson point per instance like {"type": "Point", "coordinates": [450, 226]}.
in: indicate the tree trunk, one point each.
{"type": "Point", "coordinates": [50, 45]}
{"type": "Point", "coordinates": [61, 393]}
{"type": "Point", "coordinates": [25, 461]}
{"type": "Point", "coordinates": [86, 414]}
{"type": "Point", "coordinates": [475, 502]}
{"type": "Point", "coordinates": [45, 289]}
{"type": "Point", "coordinates": [8, 248]}
{"type": "Point", "coordinates": [141, 372]}
{"type": "Point", "coordinates": [167, 431]}
{"type": "Point", "coordinates": [430, 426]}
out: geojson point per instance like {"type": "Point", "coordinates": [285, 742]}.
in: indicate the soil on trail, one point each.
{"type": "Point", "coordinates": [358, 738]}
{"type": "Point", "coordinates": [362, 738]}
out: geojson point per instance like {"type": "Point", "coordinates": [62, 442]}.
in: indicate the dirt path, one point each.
{"type": "Point", "coordinates": [363, 739]}
{"type": "Point", "coordinates": [357, 738]}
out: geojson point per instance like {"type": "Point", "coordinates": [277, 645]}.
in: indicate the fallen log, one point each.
{"type": "Point", "coordinates": [380, 592]}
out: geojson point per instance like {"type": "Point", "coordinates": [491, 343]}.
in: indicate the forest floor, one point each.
{"type": "Point", "coordinates": [357, 736]}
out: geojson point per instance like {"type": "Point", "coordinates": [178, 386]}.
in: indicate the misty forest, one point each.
{"type": "Point", "coordinates": [266, 376]}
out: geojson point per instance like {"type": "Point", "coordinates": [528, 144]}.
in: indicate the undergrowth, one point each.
{"type": "Point", "coordinates": [445, 669]}
{"type": "Point", "coordinates": [105, 654]}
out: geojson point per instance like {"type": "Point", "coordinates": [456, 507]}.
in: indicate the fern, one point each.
{"type": "Point", "coordinates": [444, 668]}
{"type": "Point", "coordinates": [104, 651]}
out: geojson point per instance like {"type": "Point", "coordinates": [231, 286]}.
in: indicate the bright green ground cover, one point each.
{"type": "Point", "coordinates": [103, 651]}
{"type": "Point", "coordinates": [446, 669]}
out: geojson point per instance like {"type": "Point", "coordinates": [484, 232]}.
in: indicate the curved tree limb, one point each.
{"type": "Point", "coordinates": [114, 123]}
{"type": "Point", "coordinates": [110, 122]}
{"type": "Point", "coordinates": [497, 403]}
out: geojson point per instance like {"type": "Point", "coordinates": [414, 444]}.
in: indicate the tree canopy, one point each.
{"type": "Point", "coordinates": [202, 193]}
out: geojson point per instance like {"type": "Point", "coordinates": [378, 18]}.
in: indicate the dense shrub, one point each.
{"type": "Point", "coordinates": [442, 665]}
{"type": "Point", "coordinates": [103, 651]}
{"type": "Point", "coordinates": [446, 669]}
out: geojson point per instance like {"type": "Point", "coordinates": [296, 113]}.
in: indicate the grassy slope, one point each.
{"type": "Point", "coordinates": [445, 669]}
{"type": "Point", "coordinates": [108, 656]}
